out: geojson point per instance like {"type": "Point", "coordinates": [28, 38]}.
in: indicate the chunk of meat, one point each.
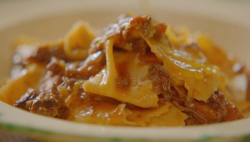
{"type": "Point", "coordinates": [44, 53]}
{"type": "Point", "coordinates": [160, 31]}
{"type": "Point", "coordinates": [140, 46]}
{"type": "Point", "coordinates": [161, 80]}
{"type": "Point", "coordinates": [46, 103]}
{"type": "Point", "coordinates": [120, 32]}
{"type": "Point", "coordinates": [91, 66]}
{"type": "Point", "coordinates": [232, 113]}
{"type": "Point", "coordinates": [56, 66]}
{"type": "Point", "coordinates": [29, 95]}
{"type": "Point", "coordinates": [141, 23]}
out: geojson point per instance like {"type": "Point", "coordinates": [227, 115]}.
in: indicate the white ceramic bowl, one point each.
{"type": "Point", "coordinates": [226, 22]}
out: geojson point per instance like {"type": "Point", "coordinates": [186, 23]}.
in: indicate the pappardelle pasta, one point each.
{"type": "Point", "coordinates": [136, 73]}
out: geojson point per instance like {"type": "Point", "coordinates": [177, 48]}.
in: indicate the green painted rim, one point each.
{"type": "Point", "coordinates": [38, 133]}
{"type": "Point", "coordinates": [48, 135]}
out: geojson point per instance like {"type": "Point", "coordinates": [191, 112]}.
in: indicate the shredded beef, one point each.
{"type": "Point", "coordinates": [45, 103]}
{"type": "Point", "coordinates": [161, 81]}
{"type": "Point", "coordinates": [160, 31]}
{"type": "Point", "coordinates": [29, 95]}
{"type": "Point", "coordinates": [56, 66]}
{"type": "Point", "coordinates": [216, 109]}
{"type": "Point", "coordinates": [140, 46]}
{"type": "Point", "coordinates": [141, 23]}
{"type": "Point", "coordinates": [120, 31]}
{"type": "Point", "coordinates": [83, 70]}
{"type": "Point", "coordinates": [44, 53]}
{"type": "Point", "coordinates": [68, 83]}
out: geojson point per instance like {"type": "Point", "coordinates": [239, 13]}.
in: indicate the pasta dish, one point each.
{"type": "Point", "coordinates": [136, 72]}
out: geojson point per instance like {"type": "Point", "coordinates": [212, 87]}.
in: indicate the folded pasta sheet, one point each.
{"type": "Point", "coordinates": [136, 73]}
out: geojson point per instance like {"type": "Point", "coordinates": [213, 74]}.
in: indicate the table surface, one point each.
{"type": "Point", "coordinates": [9, 137]}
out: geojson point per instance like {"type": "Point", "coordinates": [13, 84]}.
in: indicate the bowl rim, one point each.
{"type": "Point", "coordinates": [27, 124]}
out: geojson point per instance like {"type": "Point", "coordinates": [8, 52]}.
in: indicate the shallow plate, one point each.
{"type": "Point", "coordinates": [226, 22]}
